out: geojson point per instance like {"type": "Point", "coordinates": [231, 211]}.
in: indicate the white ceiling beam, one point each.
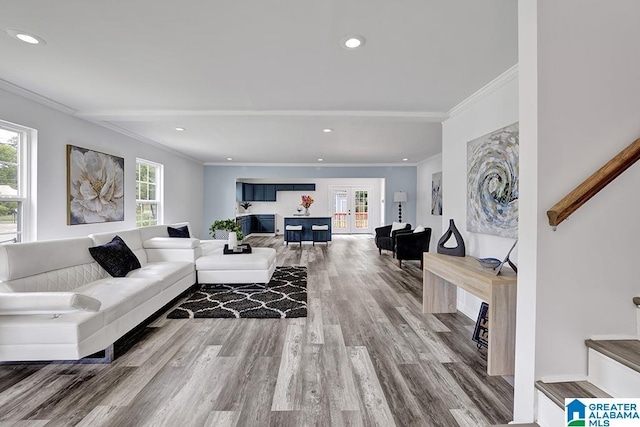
{"type": "Point", "coordinates": [135, 115]}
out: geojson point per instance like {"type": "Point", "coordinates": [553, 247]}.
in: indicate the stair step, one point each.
{"type": "Point", "coordinates": [557, 392]}
{"type": "Point", "coordinates": [625, 352]}
{"type": "Point", "coordinates": [614, 366]}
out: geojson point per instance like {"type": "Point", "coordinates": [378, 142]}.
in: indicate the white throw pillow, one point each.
{"type": "Point", "coordinates": [17, 303]}
{"type": "Point", "coordinates": [419, 229]}
{"type": "Point", "coordinates": [398, 226]}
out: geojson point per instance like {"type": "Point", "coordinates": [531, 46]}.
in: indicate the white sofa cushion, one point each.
{"type": "Point", "coordinates": [120, 295]}
{"type": "Point", "coordinates": [31, 258]}
{"type": "Point", "coordinates": [171, 243]}
{"type": "Point", "coordinates": [419, 229]}
{"type": "Point", "coordinates": [64, 279]}
{"type": "Point", "coordinates": [16, 303]}
{"type": "Point", "coordinates": [166, 272]}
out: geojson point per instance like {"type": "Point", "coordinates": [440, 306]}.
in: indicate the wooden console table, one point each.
{"type": "Point", "coordinates": [443, 273]}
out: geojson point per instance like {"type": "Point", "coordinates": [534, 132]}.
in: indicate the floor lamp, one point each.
{"type": "Point", "coordinates": [399, 197]}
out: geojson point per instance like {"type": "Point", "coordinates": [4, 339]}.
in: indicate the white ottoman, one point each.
{"type": "Point", "coordinates": [256, 267]}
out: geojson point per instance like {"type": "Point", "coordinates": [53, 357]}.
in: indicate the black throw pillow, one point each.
{"type": "Point", "coordinates": [178, 232]}
{"type": "Point", "coordinates": [115, 257]}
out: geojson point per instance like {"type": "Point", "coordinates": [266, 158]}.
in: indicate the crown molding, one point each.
{"type": "Point", "coordinates": [486, 90]}
{"type": "Point", "coordinates": [126, 115]}
{"type": "Point", "coordinates": [25, 93]}
{"type": "Point", "coordinates": [315, 165]}
{"type": "Point", "coordinates": [428, 159]}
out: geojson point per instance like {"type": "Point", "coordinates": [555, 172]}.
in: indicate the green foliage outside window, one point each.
{"type": "Point", "coordinates": [9, 177]}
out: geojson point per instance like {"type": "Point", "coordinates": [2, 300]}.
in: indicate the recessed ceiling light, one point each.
{"type": "Point", "coordinates": [26, 37]}
{"type": "Point", "coordinates": [327, 130]}
{"type": "Point", "coordinates": [405, 159]}
{"type": "Point", "coordinates": [179, 129]}
{"type": "Point", "coordinates": [320, 160]}
{"type": "Point", "coordinates": [352, 42]}
{"type": "Point", "coordinates": [229, 158]}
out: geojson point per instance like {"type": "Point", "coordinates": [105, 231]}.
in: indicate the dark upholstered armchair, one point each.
{"type": "Point", "coordinates": [411, 246]}
{"type": "Point", "coordinates": [385, 239]}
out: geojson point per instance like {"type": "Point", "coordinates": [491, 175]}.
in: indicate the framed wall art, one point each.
{"type": "Point", "coordinates": [95, 186]}
{"type": "Point", "coordinates": [436, 193]}
{"type": "Point", "coordinates": [492, 183]}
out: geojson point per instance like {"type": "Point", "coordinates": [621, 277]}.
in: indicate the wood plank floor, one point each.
{"type": "Point", "coordinates": [365, 356]}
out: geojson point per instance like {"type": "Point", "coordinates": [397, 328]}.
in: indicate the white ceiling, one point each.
{"type": "Point", "coordinates": [258, 80]}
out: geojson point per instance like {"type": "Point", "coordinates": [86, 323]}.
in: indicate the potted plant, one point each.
{"type": "Point", "coordinates": [221, 228]}
{"type": "Point", "coordinates": [245, 206]}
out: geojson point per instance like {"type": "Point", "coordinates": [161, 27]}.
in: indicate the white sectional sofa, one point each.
{"type": "Point", "coordinates": [57, 303]}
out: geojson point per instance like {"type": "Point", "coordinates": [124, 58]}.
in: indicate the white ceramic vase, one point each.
{"type": "Point", "coordinates": [233, 240]}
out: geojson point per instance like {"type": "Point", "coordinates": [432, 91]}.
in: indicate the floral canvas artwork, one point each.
{"type": "Point", "coordinates": [95, 186]}
{"type": "Point", "coordinates": [493, 183]}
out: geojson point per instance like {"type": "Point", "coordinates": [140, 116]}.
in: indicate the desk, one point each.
{"type": "Point", "coordinates": [443, 273]}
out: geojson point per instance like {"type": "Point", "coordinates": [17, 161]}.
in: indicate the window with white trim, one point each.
{"type": "Point", "coordinates": [148, 193]}
{"type": "Point", "coordinates": [16, 223]}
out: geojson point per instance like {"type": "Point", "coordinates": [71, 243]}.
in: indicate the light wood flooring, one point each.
{"type": "Point", "coordinates": [365, 355]}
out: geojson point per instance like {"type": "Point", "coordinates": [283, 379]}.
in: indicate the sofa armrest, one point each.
{"type": "Point", "coordinates": [412, 245]}
{"type": "Point", "coordinates": [383, 231]}
{"type": "Point", "coordinates": [17, 303]}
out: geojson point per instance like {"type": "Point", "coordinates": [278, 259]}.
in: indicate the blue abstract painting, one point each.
{"type": "Point", "coordinates": [492, 183]}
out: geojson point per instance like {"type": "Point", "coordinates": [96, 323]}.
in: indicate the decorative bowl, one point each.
{"type": "Point", "coordinates": [490, 263]}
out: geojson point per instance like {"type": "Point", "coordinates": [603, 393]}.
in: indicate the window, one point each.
{"type": "Point", "coordinates": [16, 223]}
{"type": "Point", "coordinates": [148, 193]}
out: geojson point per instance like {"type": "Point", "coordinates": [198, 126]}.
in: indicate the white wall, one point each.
{"type": "Point", "coordinates": [580, 102]}
{"type": "Point", "coordinates": [426, 170]}
{"type": "Point", "coordinates": [588, 103]}
{"type": "Point", "coordinates": [494, 107]}
{"type": "Point", "coordinates": [183, 178]}
{"type": "Point", "coordinates": [287, 201]}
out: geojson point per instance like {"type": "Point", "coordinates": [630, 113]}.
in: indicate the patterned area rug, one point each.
{"type": "Point", "coordinates": [284, 296]}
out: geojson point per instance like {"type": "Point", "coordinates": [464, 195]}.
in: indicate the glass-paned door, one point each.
{"type": "Point", "coordinates": [351, 209]}
{"type": "Point", "coordinates": [340, 205]}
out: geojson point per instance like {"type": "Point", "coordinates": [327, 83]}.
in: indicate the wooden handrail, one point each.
{"type": "Point", "coordinates": [596, 182]}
